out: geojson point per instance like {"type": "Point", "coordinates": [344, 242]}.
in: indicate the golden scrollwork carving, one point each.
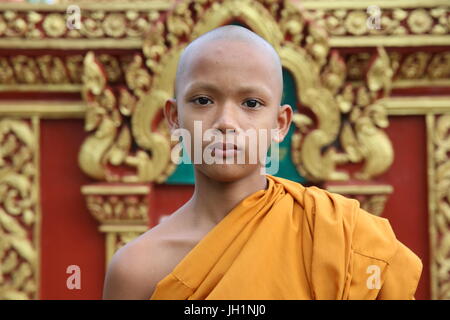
{"type": "Point", "coordinates": [19, 217]}
{"type": "Point", "coordinates": [438, 127]}
{"type": "Point", "coordinates": [25, 69]}
{"type": "Point", "coordinates": [54, 25]}
{"type": "Point", "coordinates": [54, 70]}
{"type": "Point", "coordinates": [413, 69]}
{"type": "Point", "coordinates": [394, 20]}
{"type": "Point", "coordinates": [64, 73]}
{"type": "Point", "coordinates": [420, 21]}
{"type": "Point", "coordinates": [50, 22]}
{"type": "Point", "coordinates": [362, 137]}
{"type": "Point", "coordinates": [122, 211]}
{"type": "Point", "coordinates": [101, 115]}
{"type": "Point", "coordinates": [109, 204]}
{"type": "Point", "coordinates": [41, 26]}
{"type": "Point", "coordinates": [439, 67]}
{"type": "Point", "coordinates": [38, 73]}
{"type": "Point", "coordinates": [109, 148]}
{"type": "Point", "coordinates": [414, 65]}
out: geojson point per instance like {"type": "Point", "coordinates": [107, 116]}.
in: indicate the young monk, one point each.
{"type": "Point", "coordinates": [245, 234]}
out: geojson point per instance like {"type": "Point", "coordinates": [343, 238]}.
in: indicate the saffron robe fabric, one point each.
{"type": "Point", "coordinates": [294, 242]}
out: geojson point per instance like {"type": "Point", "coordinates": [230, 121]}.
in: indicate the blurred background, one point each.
{"type": "Point", "coordinates": [85, 160]}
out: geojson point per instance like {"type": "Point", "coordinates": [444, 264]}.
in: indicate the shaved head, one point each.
{"type": "Point", "coordinates": [224, 35]}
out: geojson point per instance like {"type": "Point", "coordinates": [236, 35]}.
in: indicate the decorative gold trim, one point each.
{"type": "Point", "coordinates": [122, 211]}
{"type": "Point", "coordinates": [394, 22]}
{"type": "Point", "coordinates": [20, 212]}
{"type": "Point", "coordinates": [38, 223]}
{"type": "Point", "coordinates": [81, 44]}
{"type": "Point", "coordinates": [363, 4]}
{"type": "Point", "coordinates": [122, 228]}
{"type": "Point", "coordinates": [40, 87]}
{"type": "Point", "coordinates": [431, 204]}
{"type": "Point", "coordinates": [402, 84]}
{"type": "Point", "coordinates": [417, 83]}
{"type": "Point", "coordinates": [165, 5]}
{"type": "Point", "coordinates": [414, 83]}
{"type": "Point", "coordinates": [438, 149]}
{"type": "Point", "coordinates": [118, 25]}
{"type": "Point", "coordinates": [102, 6]}
{"type": "Point", "coordinates": [390, 41]}
{"type": "Point", "coordinates": [112, 189]}
{"type": "Point", "coordinates": [361, 189]}
{"type": "Point", "coordinates": [44, 109]}
{"type": "Point", "coordinates": [136, 43]}
{"type": "Point", "coordinates": [333, 102]}
{"type": "Point", "coordinates": [401, 106]}
{"type": "Point", "coordinates": [412, 69]}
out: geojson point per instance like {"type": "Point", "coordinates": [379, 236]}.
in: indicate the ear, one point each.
{"type": "Point", "coordinates": [284, 121]}
{"type": "Point", "coordinates": [171, 114]}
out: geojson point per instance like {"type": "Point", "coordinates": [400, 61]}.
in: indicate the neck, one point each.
{"type": "Point", "coordinates": [213, 200]}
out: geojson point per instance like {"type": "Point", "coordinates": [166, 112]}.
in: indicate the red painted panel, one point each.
{"type": "Point", "coordinates": [167, 199]}
{"type": "Point", "coordinates": [407, 208]}
{"type": "Point", "coordinates": [69, 233]}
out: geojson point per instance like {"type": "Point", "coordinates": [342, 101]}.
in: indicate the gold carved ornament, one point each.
{"type": "Point", "coordinates": [338, 122]}
{"type": "Point", "coordinates": [122, 211]}
{"type": "Point", "coordinates": [394, 20]}
{"type": "Point", "coordinates": [439, 192]}
{"type": "Point", "coordinates": [414, 69]}
{"type": "Point", "coordinates": [19, 217]}
{"type": "Point", "coordinates": [115, 151]}
{"type": "Point", "coordinates": [334, 102]}
{"type": "Point", "coordinates": [110, 116]}
{"type": "Point", "coordinates": [36, 22]}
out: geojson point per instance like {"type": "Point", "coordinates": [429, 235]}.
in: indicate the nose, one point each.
{"type": "Point", "coordinates": [226, 119]}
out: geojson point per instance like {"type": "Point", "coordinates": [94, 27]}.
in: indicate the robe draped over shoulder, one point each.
{"type": "Point", "coordinates": [295, 242]}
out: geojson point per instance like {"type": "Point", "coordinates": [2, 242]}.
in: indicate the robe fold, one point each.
{"type": "Point", "coordinates": [295, 242]}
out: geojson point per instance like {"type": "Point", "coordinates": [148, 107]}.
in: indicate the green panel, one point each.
{"type": "Point", "coordinates": [287, 168]}
{"type": "Point", "coordinates": [183, 174]}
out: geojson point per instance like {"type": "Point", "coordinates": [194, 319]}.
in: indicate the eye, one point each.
{"type": "Point", "coordinates": [252, 103]}
{"type": "Point", "coordinates": [202, 100]}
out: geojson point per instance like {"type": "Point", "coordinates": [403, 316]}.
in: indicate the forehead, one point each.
{"type": "Point", "coordinates": [224, 61]}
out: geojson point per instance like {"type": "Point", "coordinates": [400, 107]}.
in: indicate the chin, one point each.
{"type": "Point", "coordinates": [227, 172]}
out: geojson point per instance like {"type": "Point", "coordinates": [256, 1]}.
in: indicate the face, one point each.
{"type": "Point", "coordinates": [230, 89]}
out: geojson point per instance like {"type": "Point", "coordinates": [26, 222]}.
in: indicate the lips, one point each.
{"type": "Point", "coordinates": [224, 146]}
{"type": "Point", "coordinates": [224, 149]}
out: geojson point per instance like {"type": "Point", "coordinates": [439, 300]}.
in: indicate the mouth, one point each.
{"type": "Point", "coordinates": [224, 146]}
{"type": "Point", "coordinates": [222, 149]}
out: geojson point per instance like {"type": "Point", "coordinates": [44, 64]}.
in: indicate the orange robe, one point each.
{"type": "Point", "coordinates": [295, 242]}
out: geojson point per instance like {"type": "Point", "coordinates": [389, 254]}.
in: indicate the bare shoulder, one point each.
{"type": "Point", "coordinates": [137, 267]}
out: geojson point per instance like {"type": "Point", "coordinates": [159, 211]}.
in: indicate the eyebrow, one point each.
{"type": "Point", "coordinates": [243, 89]}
